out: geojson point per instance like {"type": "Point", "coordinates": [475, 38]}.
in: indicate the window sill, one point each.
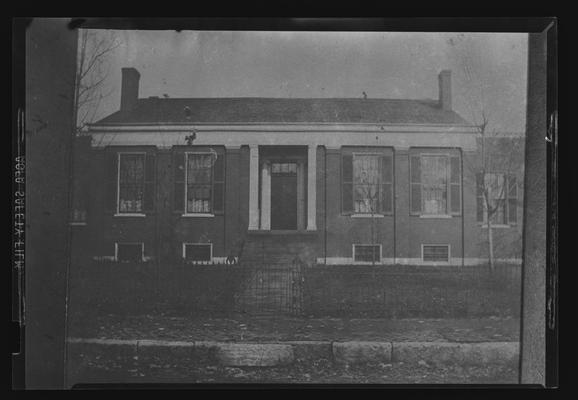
{"type": "Point", "coordinates": [367, 215]}
{"type": "Point", "coordinates": [77, 223]}
{"type": "Point", "coordinates": [435, 216]}
{"type": "Point", "coordinates": [189, 262]}
{"type": "Point", "coordinates": [130, 215]}
{"type": "Point", "coordinates": [499, 226]}
{"type": "Point", "coordinates": [366, 263]}
{"type": "Point", "coordinates": [200, 215]}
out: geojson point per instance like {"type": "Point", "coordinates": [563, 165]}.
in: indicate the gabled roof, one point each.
{"type": "Point", "coordinates": [284, 110]}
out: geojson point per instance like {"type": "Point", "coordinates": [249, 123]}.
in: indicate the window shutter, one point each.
{"type": "Point", "coordinates": [111, 167]}
{"type": "Point", "coordinates": [386, 192]}
{"type": "Point", "coordinates": [149, 188]}
{"type": "Point", "coordinates": [512, 200]}
{"type": "Point", "coordinates": [347, 183]}
{"type": "Point", "coordinates": [219, 184]}
{"type": "Point", "coordinates": [455, 186]}
{"type": "Point", "coordinates": [480, 197]}
{"type": "Point", "coordinates": [179, 182]}
{"type": "Point", "coordinates": [415, 184]}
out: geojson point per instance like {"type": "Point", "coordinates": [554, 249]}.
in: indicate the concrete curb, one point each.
{"type": "Point", "coordinates": [464, 353]}
{"type": "Point", "coordinates": [277, 354]}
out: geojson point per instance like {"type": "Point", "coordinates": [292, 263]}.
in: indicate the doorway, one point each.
{"type": "Point", "coordinates": [284, 196]}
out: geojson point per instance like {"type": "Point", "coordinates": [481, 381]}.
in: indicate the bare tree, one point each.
{"type": "Point", "coordinates": [499, 161]}
{"type": "Point", "coordinates": [499, 156]}
{"type": "Point", "coordinates": [94, 49]}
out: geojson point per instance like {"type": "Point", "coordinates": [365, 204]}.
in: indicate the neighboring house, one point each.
{"type": "Point", "coordinates": [330, 181]}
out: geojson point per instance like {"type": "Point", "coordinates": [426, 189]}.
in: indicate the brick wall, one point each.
{"type": "Point", "coordinates": [401, 234]}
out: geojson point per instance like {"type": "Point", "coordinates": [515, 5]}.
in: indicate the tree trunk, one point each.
{"type": "Point", "coordinates": [490, 245]}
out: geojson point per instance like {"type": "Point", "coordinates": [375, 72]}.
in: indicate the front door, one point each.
{"type": "Point", "coordinates": [284, 196]}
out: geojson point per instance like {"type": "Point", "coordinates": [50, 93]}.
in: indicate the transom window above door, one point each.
{"type": "Point", "coordinates": [283, 168]}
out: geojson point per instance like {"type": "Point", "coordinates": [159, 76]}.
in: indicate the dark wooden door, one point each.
{"type": "Point", "coordinates": [284, 201]}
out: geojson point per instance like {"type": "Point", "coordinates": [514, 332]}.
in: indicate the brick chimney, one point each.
{"type": "Point", "coordinates": [129, 89]}
{"type": "Point", "coordinates": [445, 81]}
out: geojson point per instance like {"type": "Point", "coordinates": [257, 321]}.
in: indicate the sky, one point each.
{"type": "Point", "coordinates": [488, 69]}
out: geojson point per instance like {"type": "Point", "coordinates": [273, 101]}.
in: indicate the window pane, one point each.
{"type": "Point", "coordinates": [499, 215]}
{"type": "Point", "coordinates": [365, 198]}
{"type": "Point", "coordinates": [366, 169]}
{"type": "Point", "coordinates": [434, 199]}
{"type": "Point", "coordinates": [199, 199]}
{"type": "Point", "coordinates": [199, 168]}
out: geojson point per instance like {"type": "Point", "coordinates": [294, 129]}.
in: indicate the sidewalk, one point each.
{"type": "Point", "coordinates": [162, 348]}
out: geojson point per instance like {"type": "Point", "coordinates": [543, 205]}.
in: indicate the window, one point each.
{"type": "Point", "coordinates": [199, 183]}
{"type": "Point", "coordinates": [129, 252]}
{"type": "Point", "coordinates": [284, 168]}
{"type": "Point", "coordinates": [367, 183]}
{"type": "Point", "coordinates": [198, 252]}
{"type": "Point", "coordinates": [435, 181]}
{"type": "Point", "coordinates": [502, 192]}
{"type": "Point", "coordinates": [77, 217]}
{"type": "Point", "coordinates": [435, 253]}
{"type": "Point", "coordinates": [367, 253]}
{"type": "Point", "coordinates": [131, 178]}
{"type": "Point", "coordinates": [130, 182]}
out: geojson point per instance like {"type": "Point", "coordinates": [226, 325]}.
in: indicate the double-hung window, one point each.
{"type": "Point", "coordinates": [367, 183]}
{"type": "Point", "coordinates": [131, 179]}
{"type": "Point", "coordinates": [502, 198]}
{"type": "Point", "coordinates": [199, 186]}
{"type": "Point", "coordinates": [199, 182]}
{"type": "Point", "coordinates": [435, 181]}
{"type": "Point", "coordinates": [130, 182]}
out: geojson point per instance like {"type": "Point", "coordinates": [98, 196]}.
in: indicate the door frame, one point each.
{"type": "Point", "coordinates": [301, 187]}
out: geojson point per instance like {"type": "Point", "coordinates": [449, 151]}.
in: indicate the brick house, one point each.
{"type": "Point", "coordinates": [329, 181]}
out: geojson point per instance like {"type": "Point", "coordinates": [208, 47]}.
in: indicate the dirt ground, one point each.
{"type": "Point", "coordinates": [279, 329]}
{"type": "Point", "coordinates": [321, 372]}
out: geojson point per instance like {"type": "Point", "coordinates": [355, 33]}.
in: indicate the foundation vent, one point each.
{"type": "Point", "coordinates": [436, 253]}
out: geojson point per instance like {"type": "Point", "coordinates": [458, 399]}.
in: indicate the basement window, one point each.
{"type": "Point", "coordinates": [367, 253]}
{"type": "Point", "coordinates": [198, 252]}
{"type": "Point", "coordinates": [435, 253]}
{"type": "Point", "coordinates": [129, 252]}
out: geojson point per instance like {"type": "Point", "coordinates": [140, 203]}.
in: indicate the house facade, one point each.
{"type": "Point", "coordinates": [272, 180]}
